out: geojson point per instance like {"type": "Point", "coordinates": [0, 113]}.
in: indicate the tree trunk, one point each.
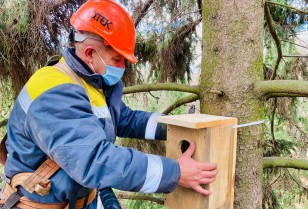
{"type": "Point", "coordinates": [232, 62]}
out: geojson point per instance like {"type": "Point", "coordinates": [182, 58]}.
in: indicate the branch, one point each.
{"type": "Point", "coordinates": [141, 12]}
{"type": "Point", "coordinates": [3, 123]}
{"type": "Point", "coordinates": [273, 125]}
{"type": "Point", "coordinates": [272, 31]}
{"type": "Point", "coordinates": [200, 6]}
{"type": "Point", "coordinates": [295, 55]}
{"type": "Point", "coordinates": [141, 197]}
{"type": "Point", "coordinates": [287, 6]}
{"type": "Point", "coordinates": [295, 45]}
{"type": "Point", "coordinates": [281, 88]}
{"type": "Point", "coordinates": [298, 183]}
{"type": "Point", "coordinates": [293, 123]}
{"type": "Point", "coordinates": [54, 3]}
{"type": "Point", "coordinates": [190, 98]}
{"type": "Point", "coordinates": [285, 162]}
{"type": "Point", "coordinates": [163, 86]}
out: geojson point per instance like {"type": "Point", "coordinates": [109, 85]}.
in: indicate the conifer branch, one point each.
{"type": "Point", "coordinates": [285, 162]}
{"type": "Point", "coordinates": [273, 125]}
{"type": "Point", "coordinates": [141, 12]}
{"type": "Point", "coordinates": [290, 42]}
{"type": "Point", "coordinates": [295, 55]}
{"type": "Point", "coordinates": [287, 6]}
{"type": "Point", "coordinates": [140, 197]}
{"type": "Point", "coordinates": [178, 103]}
{"type": "Point", "coordinates": [281, 88]}
{"type": "Point", "coordinates": [160, 87]}
{"type": "Point", "coordinates": [272, 31]}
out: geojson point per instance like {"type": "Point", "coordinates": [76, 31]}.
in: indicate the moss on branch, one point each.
{"type": "Point", "coordinates": [140, 197]}
{"type": "Point", "coordinates": [178, 103]}
{"type": "Point", "coordinates": [166, 87]}
{"type": "Point", "coordinates": [285, 162]}
{"type": "Point", "coordinates": [160, 87]}
{"type": "Point", "coordinates": [281, 88]}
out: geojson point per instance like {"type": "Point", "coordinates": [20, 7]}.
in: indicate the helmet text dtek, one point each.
{"type": "Point", "coordinates": [103, 20]}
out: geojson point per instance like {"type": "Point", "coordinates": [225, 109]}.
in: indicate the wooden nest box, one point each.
{"type": "Point", "coordinates": [215, 138]}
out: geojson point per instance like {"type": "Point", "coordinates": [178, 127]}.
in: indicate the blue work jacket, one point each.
{"type": "Point", "coordinates": [76, 127]}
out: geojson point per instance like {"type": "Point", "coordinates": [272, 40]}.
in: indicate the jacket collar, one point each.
{"type": "Point", "coordinates": [82, 70]}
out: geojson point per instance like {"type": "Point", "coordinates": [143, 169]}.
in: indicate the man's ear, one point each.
{"type": "Point", "coordinates": [88, 51]}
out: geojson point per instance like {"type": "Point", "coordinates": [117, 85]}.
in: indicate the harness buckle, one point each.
{"type": "Point", "coordinates": [43, 188]}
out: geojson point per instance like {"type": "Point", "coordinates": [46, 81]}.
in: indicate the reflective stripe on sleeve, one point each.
{"type": "Point", "coordinates": [154, 174]}
{"type": "Point", "coordinates": [151, 126]}
{"type": "Point", "coordinates": [101, 112]}
{"type": "Point", "coordinates": [24, 99]}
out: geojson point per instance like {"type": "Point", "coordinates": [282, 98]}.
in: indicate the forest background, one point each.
{"type": "Point", "coordinates": [234, 58]}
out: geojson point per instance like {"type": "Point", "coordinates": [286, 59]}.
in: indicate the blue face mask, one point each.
{"type": "Point", "coordinates": [113, 74]}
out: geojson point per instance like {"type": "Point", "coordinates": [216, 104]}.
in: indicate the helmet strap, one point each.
{"type": "Point", "coordinates": [71, 35]}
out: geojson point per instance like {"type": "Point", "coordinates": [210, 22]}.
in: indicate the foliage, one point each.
{"type": "Point", "coordinates": [31, 31]}
{"type": "Point", "coordinates": [167, 37]}
{"type": "Point", "coordinates": [145, 204]}
{"type": "Point", "coordinates": [16, 41]}
{"type": "Point", "coordinates": [287, 189]}
{"type": "Point", "coordinates": [289, 136]}
{"type": "Point", "coordinates": [39, 29]}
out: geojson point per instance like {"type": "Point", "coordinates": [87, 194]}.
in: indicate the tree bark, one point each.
{"type": "Point", "coordinates": [232, 61]}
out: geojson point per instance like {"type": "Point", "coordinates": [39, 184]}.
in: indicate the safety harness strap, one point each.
{"type": "Point", "coordinates": [14, 198]}
{"type": "Point", "coordinates": [37, 181]}
{"type": "Point", "coordinates": [64, 68]}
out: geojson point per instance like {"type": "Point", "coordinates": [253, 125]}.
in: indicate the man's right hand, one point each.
{"type": "Point", "coordinates": [195, 173]}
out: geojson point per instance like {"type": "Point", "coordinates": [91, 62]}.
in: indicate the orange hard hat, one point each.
{"type": "Point", "coordinates": [109, 20]}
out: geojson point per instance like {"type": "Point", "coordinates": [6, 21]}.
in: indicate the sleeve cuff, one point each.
{"type": "Point", "coordinates": [162, 176]}
{"type": "Point", "coordinates": [151, 126]}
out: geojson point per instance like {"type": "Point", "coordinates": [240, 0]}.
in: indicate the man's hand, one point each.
{"type": "Point", "coordinates": [195, 173]}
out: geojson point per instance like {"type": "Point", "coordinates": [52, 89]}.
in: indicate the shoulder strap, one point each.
{"type": "Point", "coordinates": [64, 68]}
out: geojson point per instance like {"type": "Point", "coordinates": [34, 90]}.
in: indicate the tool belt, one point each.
{"type": "Point", "coordinates": [39, 183]}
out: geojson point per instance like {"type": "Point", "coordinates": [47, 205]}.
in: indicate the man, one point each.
{"type": "Point", "coordinates": [70, 114]}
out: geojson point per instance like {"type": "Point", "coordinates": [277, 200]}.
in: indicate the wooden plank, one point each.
{"type": "Point", "coordinates": [221, 151]}
{"type": "Point", "coordinates": [183, 198]}
{"type": "Point", "coordinates": [197, 121]}
{"type": "Point", "coordinates": [213, 144]}
{"type": "Point", "coordinates": [233, 138]}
